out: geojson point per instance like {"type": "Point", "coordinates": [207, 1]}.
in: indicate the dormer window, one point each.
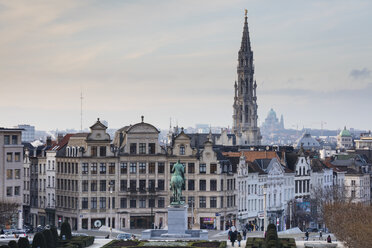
{"type": "Point", "coordinates": [182, 150]}
{"type": "Point", "coordinates": [142, 148]}
{"type": "Point", "coordinates": [102, 151]}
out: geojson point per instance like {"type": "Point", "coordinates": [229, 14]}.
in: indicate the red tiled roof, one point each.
{"type": "Point", "coordinates": [63, 142]}
{"type": "Point", "coordinates": [253, 155]}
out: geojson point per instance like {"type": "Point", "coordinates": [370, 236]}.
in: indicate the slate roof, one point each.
{"type": "Point", "coordinates": [253, 155]}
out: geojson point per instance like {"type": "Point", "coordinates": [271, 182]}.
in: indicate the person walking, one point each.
{"type": "Point", "coordinates": [233, 237]}
{"type": "Point", "coordinates": [320, 235]}
{"type": "Point", "coordinates": [239, 238]}
{"type": "Point", "coordinates": [307, 235]}
{"type": "Point", "coordinates": [329, 240]}
{"type": "Point", "coordinates": [229, 234]}
{"type": "Point", "coordinates": [244, 234]}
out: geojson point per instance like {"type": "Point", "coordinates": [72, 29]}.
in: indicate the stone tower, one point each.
{"type": "Point", "coordinates": [245, 101]}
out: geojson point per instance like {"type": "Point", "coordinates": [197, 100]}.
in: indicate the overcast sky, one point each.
{"type": "Point", "coordinates": [177, 59]}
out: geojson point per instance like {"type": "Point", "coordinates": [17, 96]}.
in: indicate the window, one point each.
{"type": "Point", "coordinates": [213, 185]}
{"type": "Point", "coordinates": [190, 185]}
{"type": "Point", "coordinates": [142, 168]}
{"type": "Point", "coordinates": [202, 202]}
{"type": "Point", "coordinates": [133, 203]}
{"type": "Point", "coordinates": [182, 150]}
{"type": "Point", "coordinates": [94, 151]}
{"type": "Point", "coordinates": [102, 151]}
{"type": "Point", "coordinates": [14, 139]}
{"type": "Point", "coordinates": [112, 185]}
{"type": "Point", "coordinates": [123, 168]}
{"type": "Point", "coordinates": [93, 169]}
{"type": "Point", "coordinates": [221, 202]}
{"type": "Point", "coordinates": [202, 185]}
{"type": "Point", "coordinates": [17, 190]}
{"type": "Point", "coordinates": [191, 168]}
{"type": "Point", "coordinates": [151, 148]}
{"type": "Point", "coordinates": [93, 185]}
{"type": "Point", "coordinates": [84, 203]}
{"type": "Point", "coordinates": [352, 182]}
{"type": "Point", "coordinates": [142, 148]}
{"type": "Point", "coordinates": [213, 202]}
{"type": "Point", "coordinates": [9, 174]}
{"type": "Point", "coordinates": [151, 203]}
{"type": "Point", "coordinates": [133, 168]}
{"type": "Point", "coordinates": [84, 186]}
{"type": "Point", "coordinates": [112, 168]}
{"type": "Point", "coordinates": [133, 185]}
{"type": "Point", "coordinates": [161, 202]}
{"type": "Point", "coordinates": [17, 157]}
{"type": "Point", "coordinates": [123, 185]}
{"type": "Point", "coordinates": [133, 148]}
{"type": "Point", "coordinates": [151, 168]}
{"type": "Point", "coordinates": [102, 185]}
{"type": "Point", "coordinates": [93, 203]}
{"type": "Point", "coordinates": [102, 202]}
{"type": "Point", "coordinates": [160, 184]}
{"type": "Point", "coordinates": [9, 157]}
{"type": "Point", "coordinates": [123, 202]}
{"type": "Point", "coordinates": [142, 185]}
{"type": "Point", "coordinates": [102, 168]}
{"type": "Point", "coordinates": [6, 139]}
{"type": "Point", "coordinates": [213, 168]}
{"type": "Point", "coordinates": [353, 193]}
{"type": "Point", "coordinates": [84, 168]}
{"type": "Point", "coordinates": [151, 185]}
{"type": "Point", "coordinates": [202, 168]}
{"type": "Point", "coordinates": [142, 202]}
{"type": "Point", "coordinates": [9, 191]}
{"type": "Point", "coordinates": [160, 167]}
{"type": "Point", "coordinates": [222, 185]}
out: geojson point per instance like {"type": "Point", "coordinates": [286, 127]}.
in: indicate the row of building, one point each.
{"type": "Point", "coordinates": [92, 180]}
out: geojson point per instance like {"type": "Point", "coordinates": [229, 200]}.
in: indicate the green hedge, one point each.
{"type": "Point", "coordinates": [260, 243]}
{"type": "Point", "coordinates": [194, 244]}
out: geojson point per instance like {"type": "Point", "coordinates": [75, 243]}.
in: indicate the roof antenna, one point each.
{"type": "Point", "coordinates": [81, 109]}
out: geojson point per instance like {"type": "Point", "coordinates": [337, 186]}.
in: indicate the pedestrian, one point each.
{"type": "Point", "coordinates": [307, 235]}
{"type": "Point", "coordinates": [239, 238]}
{"type": "Point", "coordinates": [329, 240]}
{"type": "Point", "coordinates": [2, 231]}
{"type": "Point", "coordinates": [244, 234]}
{"type": "Point", "coordinates": [233, 237]}
{"type": "Point", "coordinates": [320, 235]}
{"type": "Point", "coordinates": [229, 234]}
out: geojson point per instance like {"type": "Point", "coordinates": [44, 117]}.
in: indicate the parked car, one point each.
{"type": "Point", "coordinates": [124, 236]}
{"type": "Point", "coordinates": [312, 229]}
{"type": "Point", "coordinates": [7, 234]}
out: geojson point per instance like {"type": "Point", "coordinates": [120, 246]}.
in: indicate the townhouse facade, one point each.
{"type": "Point", "coordinates": [11, 170]}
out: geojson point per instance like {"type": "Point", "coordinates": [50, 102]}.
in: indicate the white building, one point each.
{"type": "Point", "coordinates": [302, 176]}
{"type": "Point", "coordinates": [357, 186]}
{"type": "Point", "coordinates": [344, 139]}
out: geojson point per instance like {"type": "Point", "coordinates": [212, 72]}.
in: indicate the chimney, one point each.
{"type": "Point", "coordinates": [59, 137]}
{"type": "Point", "coordinates": [49, 141]}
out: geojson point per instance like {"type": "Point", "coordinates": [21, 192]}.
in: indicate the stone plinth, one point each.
{"type": "Point", "coordinates": [177, 219]}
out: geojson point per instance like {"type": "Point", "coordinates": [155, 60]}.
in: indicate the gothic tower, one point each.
{"type": "Point", "coordinates": [245, 101]}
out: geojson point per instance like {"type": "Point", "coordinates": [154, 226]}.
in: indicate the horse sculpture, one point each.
{"type": "Point", "coordinates": [177, 182]}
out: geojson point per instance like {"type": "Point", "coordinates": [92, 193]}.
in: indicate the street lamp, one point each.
{"type": "Point", "coordinates": [151, 191]}
{"type": "Point", "coordinates": [111, 185]}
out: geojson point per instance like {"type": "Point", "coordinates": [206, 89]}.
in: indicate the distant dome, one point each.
{"type": "Point", "coordinates": [345, 133]}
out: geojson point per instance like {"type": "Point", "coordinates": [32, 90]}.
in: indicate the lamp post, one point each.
{"type": "Point", "coordinates": [110, 204]}
{"type": "Point", "coordinates": [265, 214]}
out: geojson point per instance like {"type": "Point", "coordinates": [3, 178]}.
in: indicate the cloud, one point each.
{"type": "Point", "coordinates": [360, 74]}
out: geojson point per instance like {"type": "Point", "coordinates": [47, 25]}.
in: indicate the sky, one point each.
{"type": "Point", "coordinates": [177, 60]}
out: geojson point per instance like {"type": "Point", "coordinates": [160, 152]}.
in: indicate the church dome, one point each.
{"type": "Point", "coordinates": [345, 133]}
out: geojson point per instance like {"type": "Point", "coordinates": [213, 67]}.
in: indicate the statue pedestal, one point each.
{"type": "Point", "coordinates": [177, 219]}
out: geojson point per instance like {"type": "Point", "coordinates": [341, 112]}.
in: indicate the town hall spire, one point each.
{"type": "Point", "coordinates": [245, 99]}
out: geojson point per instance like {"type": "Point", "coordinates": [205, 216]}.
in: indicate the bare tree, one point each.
{"type": "Point", "coordinates": [350, 222]}
{"type": "Point", "coordinates": [8, 211]}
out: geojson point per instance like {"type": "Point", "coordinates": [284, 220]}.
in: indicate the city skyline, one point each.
{"type": "Point", "coordinates": [178, 60]}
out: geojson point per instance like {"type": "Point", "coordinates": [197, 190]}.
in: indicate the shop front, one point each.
{"type": "Point", "coordinates": [208, 222]}
{"type": "Point", "coordinates": [140, 222]}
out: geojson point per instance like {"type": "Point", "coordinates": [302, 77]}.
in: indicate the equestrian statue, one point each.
{"type": "Point", "coordinates": [177, 182]}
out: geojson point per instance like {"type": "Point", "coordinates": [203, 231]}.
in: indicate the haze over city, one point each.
{"type": "Point", "coordinates": [178, 59]}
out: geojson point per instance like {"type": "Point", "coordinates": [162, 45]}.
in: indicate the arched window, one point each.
{"type": "Point", "coordinates": [68, 151]}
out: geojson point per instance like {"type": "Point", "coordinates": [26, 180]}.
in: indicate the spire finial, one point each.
{"type": "Point", "coordinates": [142, 117]}
{"type": "Point", "coordinates": [245, 12]}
